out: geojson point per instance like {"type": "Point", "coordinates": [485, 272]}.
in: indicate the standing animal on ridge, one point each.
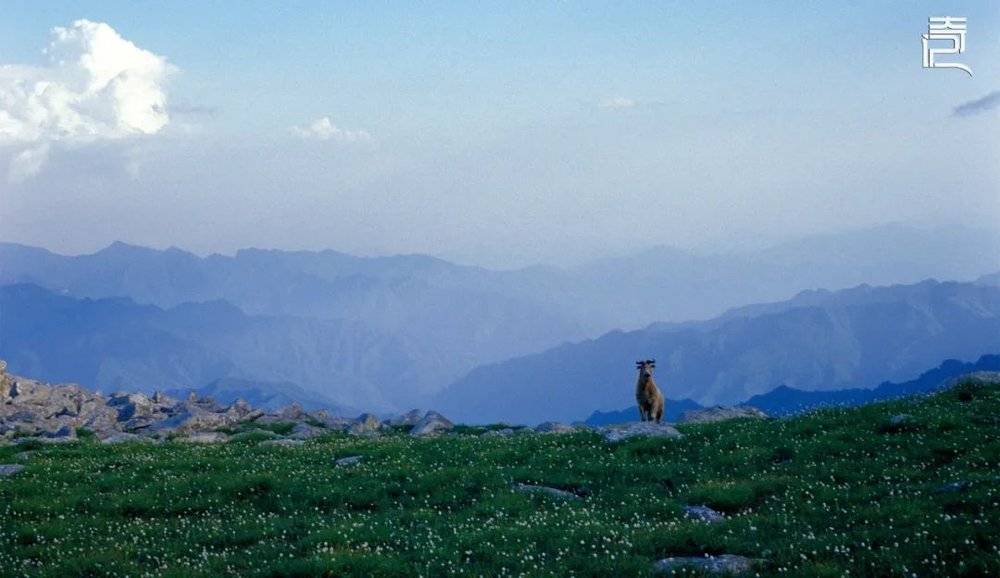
{"type": "Point", "coordinates": [647, 395]}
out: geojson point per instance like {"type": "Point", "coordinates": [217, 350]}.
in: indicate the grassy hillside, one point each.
{"type": "Point", "coordinates": [819, 495]}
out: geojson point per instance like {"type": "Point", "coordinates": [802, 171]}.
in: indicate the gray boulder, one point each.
{"type": "Point", "coordinates": [122, 438]}
{"type": "Point", "coordinates": [205, 438]}
{"type": "Point", "coordinates": [366, 425]}
{"type": "Point", "coordinates": [621, 432]}
{"type": "Point", "coordinates": [432, 423]}
{"type": "Point", "coordinates": [410, 418]}
{"type": "Point", "coordinates": [281, 443]}
{"type": "Point", "coordinates": [10, 469]}
{"type": "Point", "coordinates": [304, 431]}
{"type": "Point", "coordinates": [545, 491]}
{"type": "Point", "coordinates": [348, 461]}
{"type": "Point", "coordinates": [722, 564]}
{"type": "Point", "coordinates": [721, 413]}
{"type": "Point", "coordinates": [703, 514]}
{"type": "Point", "coordinates": [554, 427]}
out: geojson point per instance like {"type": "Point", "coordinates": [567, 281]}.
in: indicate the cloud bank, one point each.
{"type": "Point", "coordinates": [95, 86]}
{"type": "Point", "coordinates": [324, 129]}
{"type": "Point", "coordinates": [980, 105]}
{"type": "Point", "coordinates": [619, 102]}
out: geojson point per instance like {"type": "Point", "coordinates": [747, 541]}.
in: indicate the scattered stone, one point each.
{"type": "Point", "coordinates": [348, 461]}
{"type": "Point", "coordinates": [721, 413]}
{"type": "Point", "coordinates": [499, 433]}
{"type": "Point", "coordinates": [900, 419]}
{"type": "Point", "coordinates": [703, 514]}
{"type": "Point", "coordinates": [722, 564]}
{"type": "Point", "coordinates": [304, 431]}
{"type": "Point", "coordinates": [953, 487]}
{"type": "Point", "coordinates": [10, 469]}
{"type": "Point", "coordinates": [63, 432]}
{"type": "Point", "coordinates": [410, 418]}
{"type": "Point", "coordinates": [212, 437]}
{"type": "Point", "coordinates": [366, 425]}
{"type": "Point", "coordinates": [620, 432]}
{"type": "Point", "coordinates": [255, 434]}
{"type": "Point", "coordinates": [282, 443]}
{"type": "Point", "coordinates": [23, 456]}
{"type": "Point", "coordinates": [554, 427]}
{"type": "Point", "coordinates": [121, 438]}
{"type": "Point", "coordinates": [432, 423]}
{"type": "Point", "coordinates": [545, 490]}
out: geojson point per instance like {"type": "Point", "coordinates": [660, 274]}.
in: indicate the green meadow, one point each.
{"type": "Point", "coordinates": [831, 493]}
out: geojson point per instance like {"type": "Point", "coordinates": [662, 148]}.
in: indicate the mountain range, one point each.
{"type": "Point", "coordinates": [389, 333]}
{"type": "Point", "coordinates": [819, 340]}
{"type": "Point", "coordinates": [784, 400]}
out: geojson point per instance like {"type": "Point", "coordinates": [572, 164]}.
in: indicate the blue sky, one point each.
{"type": "Point", "coordinates": [518, 133]}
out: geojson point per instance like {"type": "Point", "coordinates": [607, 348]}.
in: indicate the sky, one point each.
{"type": "Point", "coordinates": [550, 132]}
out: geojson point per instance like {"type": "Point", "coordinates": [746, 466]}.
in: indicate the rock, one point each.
{"type": "Point", "coordinates": [63, 432]}
{"type": "Point", "coordinates": [554, 427]}
{"type": "Point", "coordinates": [499, 433]}
{"type": "Point", "coordinates": [304, 431]}
{"type": "Point", "coordinates": [255, 434]}
{"type": "Point", "coordinates": [122, 438]}
{"type": "Point", "coordinates": [953, 487]}
{"type": "Point", "coordinates": [900, 419]}
{"type": "Point", "coordinates": [24, 456]}
{"type": "Point", "coordinates": [330, 422]}
{"type": "Point", "coordinates": [10, 469]}
{"type": "Point", "coordinates": [282, 443]}
{"type": "Point", "coordinates": [432, 423]}
{"type": "Point", "coordinates": [545, 490]}
{"type": "Point", "coordinates": [205, 438]}
{"type": "Point", "coordinates": [410, 418]}
{"type": "Point", "coordinates": [620, 432]}
{"type": "Point", "coordinates": [366, 425]}
{"type": "Point", "coordinates": [292, 412]}
{"type": "Point", "coordinates": [348, 461]}
{"type": "Point", "coordinates": [722, 564]}
{"type": "Point", "coordinates": [721, 413]}
{"type": "Point", "coordinates": [703, 514]}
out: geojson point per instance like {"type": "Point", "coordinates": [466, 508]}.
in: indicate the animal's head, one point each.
{"type": "Point", "coordinates": [645, 368]}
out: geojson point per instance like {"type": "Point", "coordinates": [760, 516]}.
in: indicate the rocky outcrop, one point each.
{"type": "Point", "coordinates": [726, 564]}
{"type": "Point", "coordinates": [366, 425]}
{"type": "Point", "coordinates": [554, 427]}
{"type": "Point", "coordinates": [30, 410]}
{"type": "Point", "coordinates": [721, 413]}
{"type": "Point", "coordinates": [432, 423]}
{"type": "Point", "coordinates": [10, 469]}
{"type": "Point", "coordinates": [703, 514]}
{"type": "Point", "coordinates": [621, 432]}
{"type": "Point", "coordinates": [545, 491]}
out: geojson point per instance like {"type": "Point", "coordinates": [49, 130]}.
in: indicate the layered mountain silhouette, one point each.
{"type": "Point", "coordinates": [819, 340]}
{"type": "Point", "coordinates": [784, 400]}
{"type": "Point", "coordinates": [115, 344]}
{"type": "Point", "coordinates": [392, 332]}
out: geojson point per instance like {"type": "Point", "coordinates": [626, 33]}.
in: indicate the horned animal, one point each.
{"type": "Point", "coordinates": [647, 395]}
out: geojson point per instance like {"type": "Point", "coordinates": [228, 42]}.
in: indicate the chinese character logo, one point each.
{"type": "Point", "coordinates": [947, 28]}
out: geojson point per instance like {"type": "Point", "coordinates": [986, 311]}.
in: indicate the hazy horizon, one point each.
{"type": "Point", "coordinates": [534, 134]}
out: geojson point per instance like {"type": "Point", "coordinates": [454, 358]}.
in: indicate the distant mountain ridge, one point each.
{"type": "Point", "coordinates": [115, 344]}
{"type": "Point", "coordinates": [436, 321]}
{"type": "Point", "coordinates": [784, 400]}
{"type": "Point", "coordinates": [816, 341]}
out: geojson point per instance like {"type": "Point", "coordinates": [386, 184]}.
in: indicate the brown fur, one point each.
{"type": "Point", "coordinates": [647, 394]}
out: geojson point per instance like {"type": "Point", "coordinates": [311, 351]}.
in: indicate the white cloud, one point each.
{"type": "Point", "coordinates": [95, 86]}
{"type": "Point", "coordinates": [324, 129]}
{"type": "Point", "coordinates": [27, 163]}
{"type": "Point", "coordinates": [619, 102]}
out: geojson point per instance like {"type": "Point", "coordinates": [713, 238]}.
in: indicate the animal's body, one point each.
{"type": "Point", "coordinates": [647, 395]}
